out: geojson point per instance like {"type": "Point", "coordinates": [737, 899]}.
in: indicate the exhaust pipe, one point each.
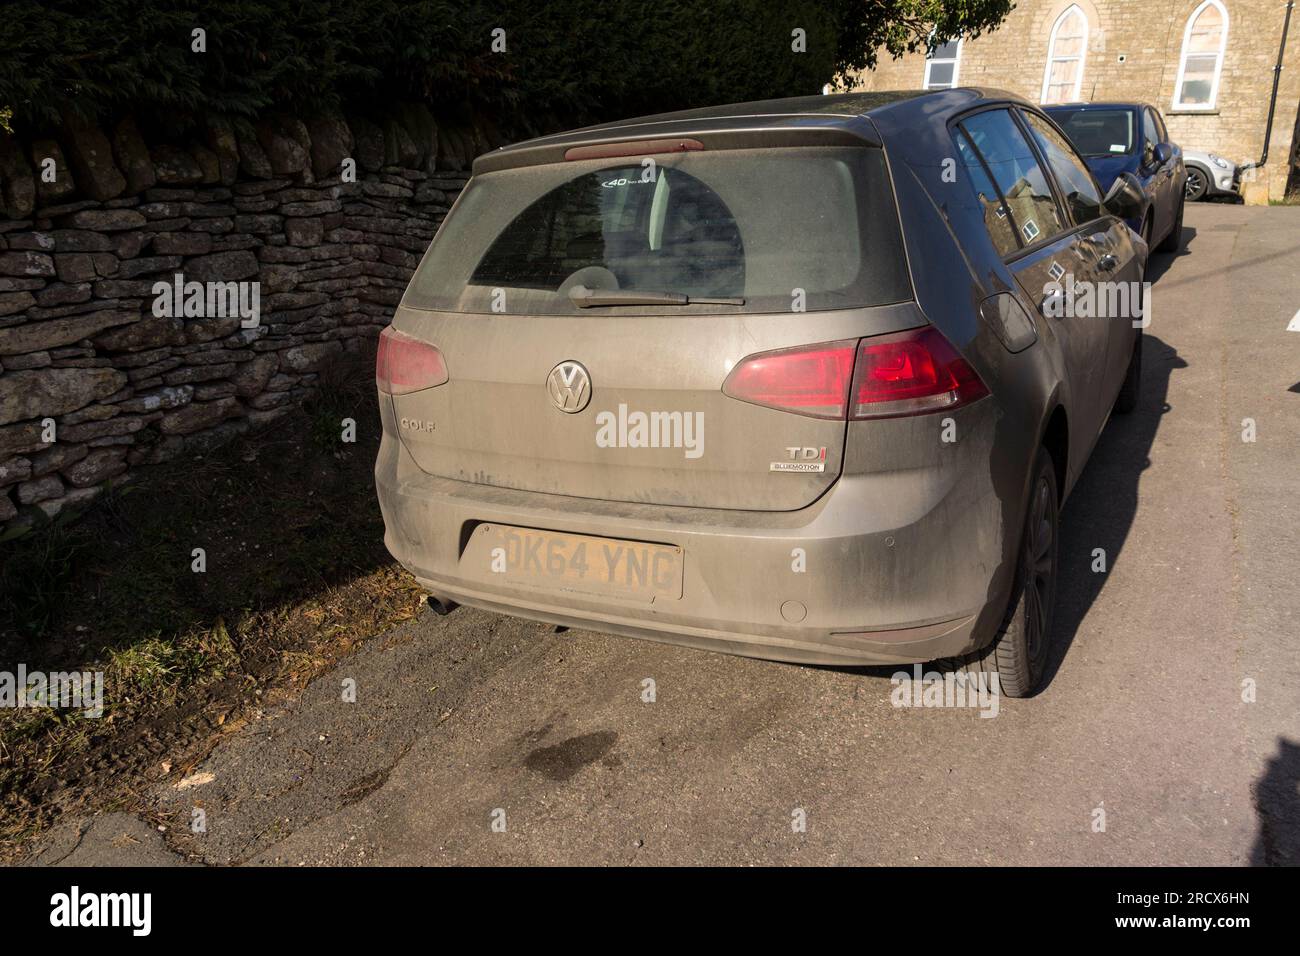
{"type": "Point", "coordinates": [440, 606]}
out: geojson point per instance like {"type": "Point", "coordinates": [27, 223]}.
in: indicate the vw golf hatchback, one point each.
{"type": "Point", "coordinates": [782, 379]}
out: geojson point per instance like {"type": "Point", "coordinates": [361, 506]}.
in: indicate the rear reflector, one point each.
{"type": "Point", "coordinates": [906, 373]}
{"type": "Point", "coordinates": [405, 364]}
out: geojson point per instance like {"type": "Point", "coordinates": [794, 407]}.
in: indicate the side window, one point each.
{"type": "Point", "coordinates": [998, 221]}
{"type": "Point", "coordinates": [1072, 175]}
{"type": "Point", "coordinates": [1016, 173]}
{"type": "Point", "coordinates": [1150, 133]}
{"type": "Point", "coordinates": [1160, 126]}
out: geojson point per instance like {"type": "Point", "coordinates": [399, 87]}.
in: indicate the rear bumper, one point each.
{"type": "Point", "coordinates": [898, 567]}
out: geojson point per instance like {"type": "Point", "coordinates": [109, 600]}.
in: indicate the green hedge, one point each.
{"type": "Point", "coordinates": [565, 62]}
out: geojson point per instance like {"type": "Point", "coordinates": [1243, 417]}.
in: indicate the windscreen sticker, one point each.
{"type": "Point", "coordinates": [1117, 147]}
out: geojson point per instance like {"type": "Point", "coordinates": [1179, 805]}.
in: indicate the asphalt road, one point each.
{"type": "Point", "coordinates": [1144, 717]}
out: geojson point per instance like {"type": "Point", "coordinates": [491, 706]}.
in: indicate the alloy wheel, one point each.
{"type": "Point", "coordinates": [1039, 569]}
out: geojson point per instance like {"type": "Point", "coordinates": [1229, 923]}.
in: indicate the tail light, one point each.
{"type": "Point", "coordinates": [405, 364]}
{"type": "Point", "coordinates": [812, 380]}
{"type": "Point", "coordinates": [911, 373]}
{"type": "Point", "coordinates": [907, 373]}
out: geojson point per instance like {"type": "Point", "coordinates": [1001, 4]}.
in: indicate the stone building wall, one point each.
{"type": "Point", "coordinates": [1149, 36]}
{"type": "Point", "coordinates": [81, 347]}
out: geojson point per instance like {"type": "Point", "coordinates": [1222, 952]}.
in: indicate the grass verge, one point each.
{"type": "Point", "coordinates": [296, 575]}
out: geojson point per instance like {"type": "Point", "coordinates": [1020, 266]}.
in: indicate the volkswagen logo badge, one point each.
{"type": "Point", "coordinates": [569, 386]}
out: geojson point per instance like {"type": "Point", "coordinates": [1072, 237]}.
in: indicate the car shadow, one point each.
{"type": "Point", "coordinates": [1101, 508]}
{"type": "Point", "coordinates": [1278, 808]}
{"type": "Point", "coordinates": [1161, 261]}
{"type": "Point", "coordinates": [1104, 501]}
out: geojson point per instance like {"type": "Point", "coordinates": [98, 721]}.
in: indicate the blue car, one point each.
{"type": "Point", "coordinates": [1117, 138]}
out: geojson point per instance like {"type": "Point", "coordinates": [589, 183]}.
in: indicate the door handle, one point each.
{"type": "Point", "coordinates": [1107, 262]}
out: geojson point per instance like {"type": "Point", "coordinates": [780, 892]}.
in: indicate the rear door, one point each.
{"type": "Point", "coordinates": [623, 401]}
{"type": "Point", "coordinates": [1117, 268]}
{"type": "Point", "coordinates": [1162, 177]}
{"type": "Point", "coordinates": [1052, 257]}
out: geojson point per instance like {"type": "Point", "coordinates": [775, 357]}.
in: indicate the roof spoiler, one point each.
{"type": "Point", "coordinates": [740, 133]}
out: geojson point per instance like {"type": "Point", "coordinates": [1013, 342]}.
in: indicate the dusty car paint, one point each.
{"type": "Point", "coordinates": [902, 549]}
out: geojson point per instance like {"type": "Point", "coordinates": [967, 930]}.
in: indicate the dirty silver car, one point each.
{"type": "Point", "coordinates": [781, 379]}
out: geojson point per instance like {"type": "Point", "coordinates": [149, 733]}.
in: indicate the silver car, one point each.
{"type": "Point", "coordinates": [795, 379]}
{"type": "Point", "coordinates": [1209, 174]}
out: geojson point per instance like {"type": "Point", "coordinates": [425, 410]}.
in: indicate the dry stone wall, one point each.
{"type": "Point", "coordinates": [94, 384]}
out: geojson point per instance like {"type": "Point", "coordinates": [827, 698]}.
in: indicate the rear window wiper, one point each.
{"type": "Point", "coordinates": [585, 298]}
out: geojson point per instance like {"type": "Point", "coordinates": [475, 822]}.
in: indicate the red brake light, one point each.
{"type": "Point", "coordinates": [405, 364]}
{"type": "Point", "coordinates": [812, 380]}
{"type": "Point", "coordinates": [639, 147]}
{"type": "Point", "coordinates": [906, 373]}
{"type": "Point", "coordinates": [910, 373]}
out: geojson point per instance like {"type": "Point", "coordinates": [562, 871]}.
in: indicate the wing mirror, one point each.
{"type": "Point", "coordinates": [1163, 153]}
{"type": "Point", "coordinates": [1125, 199]}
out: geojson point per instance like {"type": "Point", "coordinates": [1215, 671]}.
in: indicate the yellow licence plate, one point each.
{"type": "Point", "coordinates": [575, 562]}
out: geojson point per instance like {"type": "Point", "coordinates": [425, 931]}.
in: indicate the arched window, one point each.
{"type": "Point", "coordinates": [1204, 41]}
{"type": "Point", "coordinates": [941, 66]}
{"type": "Point", "coordinates": [1066, 47]}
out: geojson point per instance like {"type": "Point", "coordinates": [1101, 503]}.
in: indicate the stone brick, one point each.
{"type": "Point", "coordinates": [175, 167]}
{"type": "Point", "coordinates": [51, 392]}
{"type": "Point", "coordinates": [56, 458]}
{"type": "Point", "coordinates": [162, 399]}
{"type": "Point", "coordinates": [222, 267]}
{"type": "Point", "coordinates": [104, 220]}
{"type": "Point", "coordinates": [133, 156]}
{"type": "Point", "coordinates": [304, 232]}
{"type": "Point", "coordinates": [89, 431]}
{"type": "Point", "coordinates": [39, 336]}
{"type": "Point", "coordinates": [41, 489]}
{"type": "Point", "coordinates": [146, 333]}
{"type": "Point", "coordinates": [199, 415]}
{"type": "Point", "coordinates": [252, 377]}
{"type": "Point", "coordinates": [91, 158]}
{"type": "Point", "coordinates": [63, 185]}
{"type": "Point", "coordinates": [182, 243]}
{"type": "Point", "coordinates": [15, 470]}
{"type": "Point", "coordinates": [310, 358]}
{"type": "Point", "coordinates": [14, 302]}
{"type": "Point", "coordinates": [26, 264]}
{"type": "Point", "coordinates": [99, 465]}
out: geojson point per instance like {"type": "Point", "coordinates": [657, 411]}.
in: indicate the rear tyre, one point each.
{"type": "Point", "coordinates": [1174, 241]}
{"type": "Point", "coordinates": [1197, 184]}
{"type": "Point", "coordinates": [1146, 238]}
{"type": "Point", "coordinates": [1127, 400]}
{"type": "Point", "coordinates": [1019, 653]}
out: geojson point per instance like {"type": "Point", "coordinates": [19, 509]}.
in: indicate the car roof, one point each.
{"type": "Point", "coordinates": [846, 116]}
{"type": "Point", "coordinates": [1098, 106]}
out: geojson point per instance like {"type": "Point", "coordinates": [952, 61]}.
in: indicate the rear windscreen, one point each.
{"type": "Point", "coordinates": [811, 228]}
{"type": "Point", "coordinates": [1097, 132]}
